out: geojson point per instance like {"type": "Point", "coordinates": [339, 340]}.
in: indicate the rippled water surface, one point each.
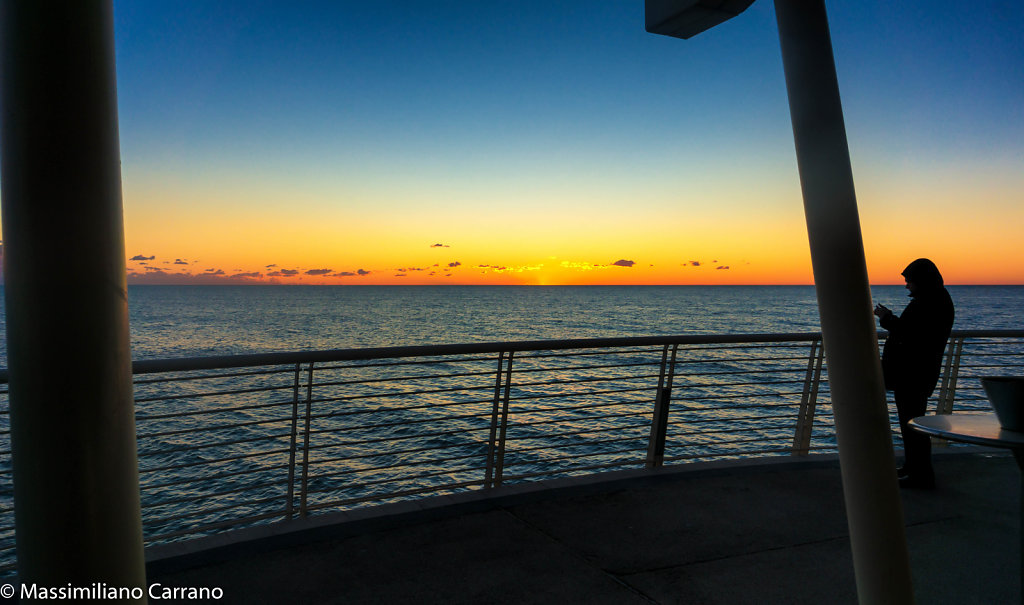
{"type": "Point", "coordinates": [187, 321]}
{"type": "Point", "coordinates": [175, 321]}
{"type": "Point", "coordinates": [217, 450]}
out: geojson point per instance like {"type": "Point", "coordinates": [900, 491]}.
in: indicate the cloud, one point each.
{"type": "Point", "coordinates": [140, 257]}
{"type": "Point", "coordinates": [440, 246]}
{"type": "Point", "coordinates": [455, 264]}
{"type": "Point", "coordinates": [506, 268]}
{"type": "Point", "coordinates": [695, 263]}
{"type": "Point", "coordinates": [155, 275]}
{"type": "Point", "coordinates": [179, 261]}
{"type": "Point", "coordinates": [624, 263]}
{"type": "Point", "coordinates": [359, 273]}
{"type": "Point", "coordinates": [250, 275]}
{"type": "Point", "coordinates": [319, 271]}
{"type": "Point", "coordinates": [721, 267]}
{"type": "Point", "coordinates": [161, 277]}
{"type": "Point", "coordinates": [578, 266]}
{"type": "Point", "coordinates": [283, 273]}
{"type": "Point", "coordinates": [270, 266]}
{"type": "Point", "coordinates": [218, 272]}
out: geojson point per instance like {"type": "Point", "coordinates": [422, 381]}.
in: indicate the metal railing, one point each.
{"type": "Point", "coordinates": [228, 442]}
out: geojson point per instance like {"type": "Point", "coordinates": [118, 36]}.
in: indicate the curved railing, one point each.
{"type": "Point", "coordinates": [228, 442]}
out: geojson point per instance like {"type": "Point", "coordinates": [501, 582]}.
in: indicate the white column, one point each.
{"type": "Point", "coordinates": [873, 507]}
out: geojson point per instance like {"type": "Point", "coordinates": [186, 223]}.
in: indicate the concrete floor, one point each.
{"type": "Point", "coordinates": [762, 532]}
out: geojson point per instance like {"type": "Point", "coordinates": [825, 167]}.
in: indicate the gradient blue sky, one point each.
{"type": "Point", "coordinates": [553, 139]}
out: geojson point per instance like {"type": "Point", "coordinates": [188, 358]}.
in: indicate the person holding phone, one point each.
{"type": "Point", "coordinates": [912, 360]}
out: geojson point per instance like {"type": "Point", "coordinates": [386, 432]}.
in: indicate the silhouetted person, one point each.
{"type": "Point", "coordinates": [912, 360]}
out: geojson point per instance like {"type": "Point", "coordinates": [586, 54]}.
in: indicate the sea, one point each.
{"type": "Point", "coordinates": [195, 321]}
{"type": "Point", "coordinates": [168, 322]}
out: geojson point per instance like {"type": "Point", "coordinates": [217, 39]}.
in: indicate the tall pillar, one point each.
{"type": "Point", "coordinates": [873, 507]}
{"type": "Point", "coordinates": [76, 491]}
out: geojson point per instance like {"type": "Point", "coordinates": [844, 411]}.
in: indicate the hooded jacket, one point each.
{"type": "Point", "coordinates": [912, 356]}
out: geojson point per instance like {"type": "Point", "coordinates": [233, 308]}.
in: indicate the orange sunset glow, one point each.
{"type": "Point", "coordinates": [662, 241]}
{"type": "Point", "coordinates": [309, 148]}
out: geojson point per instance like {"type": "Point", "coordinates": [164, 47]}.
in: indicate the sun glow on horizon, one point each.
{"type": "Point", "coordinates": [694, 239]}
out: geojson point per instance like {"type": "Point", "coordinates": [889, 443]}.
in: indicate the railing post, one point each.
{"type": "Point", "coordinates": [659, 420]}
{"type": "Point", "coordinates": [290, 509]}
{"type": "Point", "coordinates": [303, 494]}
{"type": "Point", "coordinates": [950, 373]}
{"type": "Point", "coordinates": [492, 445]}
{"type": "Point", "coordinates": [808, 400]}
{"type": "Point", "coordinates": [499, 449]}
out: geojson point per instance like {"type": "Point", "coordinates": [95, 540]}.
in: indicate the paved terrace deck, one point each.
{"type": "Point", "coordinates": [771, 532]}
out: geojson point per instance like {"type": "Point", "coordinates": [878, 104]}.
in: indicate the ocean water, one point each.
{"type": "Point", "coordinates": [171, 322]}
{"type": "Point", "coordinates": [185, 321]}
{"type": "Point", "coordinates": [192, 321]}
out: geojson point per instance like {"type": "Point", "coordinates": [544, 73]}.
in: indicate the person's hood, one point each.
{"type": "Point", "coordinates": [925, 274]}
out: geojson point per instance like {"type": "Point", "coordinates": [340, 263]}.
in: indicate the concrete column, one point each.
{"type": "Point", "coordinates": [76, 490]}
{"type": "Point", "coordinates": [873, 506]}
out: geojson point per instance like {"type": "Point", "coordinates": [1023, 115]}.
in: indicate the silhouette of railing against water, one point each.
{"type": "Point", "coordinates": [229, 442]}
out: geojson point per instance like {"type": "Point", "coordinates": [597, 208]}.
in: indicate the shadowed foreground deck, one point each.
{"type": "Point", "coordinates": [771, 532]}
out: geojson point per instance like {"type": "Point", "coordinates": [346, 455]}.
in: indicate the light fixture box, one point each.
{"type": "Point", "coordinates": [687, 18]}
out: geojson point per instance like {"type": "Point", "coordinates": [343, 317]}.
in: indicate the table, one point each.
{"type": "Point", "coordinates": [979, 429]}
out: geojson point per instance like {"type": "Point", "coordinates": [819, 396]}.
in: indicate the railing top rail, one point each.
{"type": "Point", "coordinates": [325, 356]}
{"type": "Point", "coordinates": [148, 366]}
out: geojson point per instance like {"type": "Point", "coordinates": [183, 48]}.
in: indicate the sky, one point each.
{"type": "Point", "coordinates": [539, 142]}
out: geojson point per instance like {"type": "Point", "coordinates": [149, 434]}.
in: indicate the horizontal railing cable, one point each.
{"type": "Point", "coordinates": [228, 442]}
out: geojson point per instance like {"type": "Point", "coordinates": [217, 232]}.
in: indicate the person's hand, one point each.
{"type": "Point", "coordinates": [881, 311]}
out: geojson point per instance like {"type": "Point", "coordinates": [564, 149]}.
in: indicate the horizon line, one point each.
{"type": "Point", "coordinates": [305, 285]}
